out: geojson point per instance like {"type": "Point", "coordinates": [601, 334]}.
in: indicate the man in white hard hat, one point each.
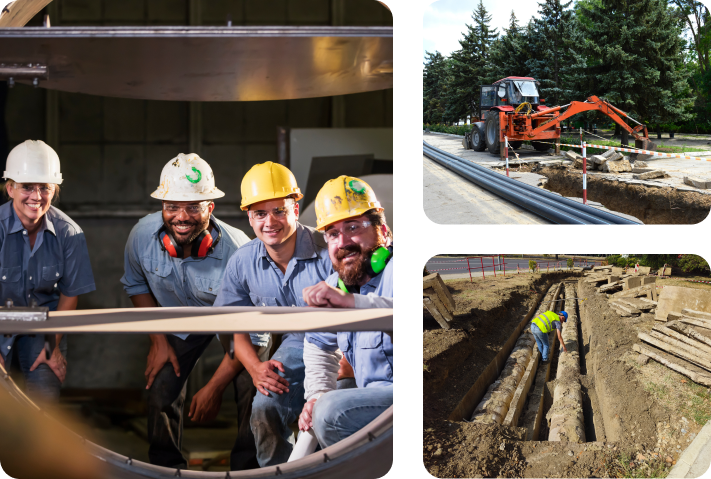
{"type": "Point", "coordinates": [360, 247]}
{"type": "Point", "coordinates": [177, 257]}
{"type": "Point", "coordinates": [44, 261]}
{"type": "Point", "coordinates": [272, 270]}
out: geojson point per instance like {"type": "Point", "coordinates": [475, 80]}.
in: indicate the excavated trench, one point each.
{"type": "Point", "coordinates": [651, 205]}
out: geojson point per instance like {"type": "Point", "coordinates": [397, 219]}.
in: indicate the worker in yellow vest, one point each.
{"type": "Point", "coordinates": [543, 324]}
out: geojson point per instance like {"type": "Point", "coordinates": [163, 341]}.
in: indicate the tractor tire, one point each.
{"type": "Point", "coordinates": [477, 139]}
{"type": "Point", "coordinates": [466, 141]}
{"type": "Point", "coordinates": [515, 144]}
{"type": "Point", "coordinates": [491, 133]}
{"type": "Point", "coordinates": [538, 146]}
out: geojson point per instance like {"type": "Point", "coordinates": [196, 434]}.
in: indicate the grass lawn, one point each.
{"type": "Point", "coordinates": [661, 147]}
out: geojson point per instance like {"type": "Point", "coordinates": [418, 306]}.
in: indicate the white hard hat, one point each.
{"type": "Point", "coordinates": [33, 162]}
{"type": "Point", "coordinates": [187, 178]}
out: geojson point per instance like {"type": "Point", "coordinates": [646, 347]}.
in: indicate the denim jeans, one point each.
{"type": "Point", "coordinates": [339, 414]}
{"type": "Point", "coordinates": [542, 342]}
{"type": "Point", "coordinates": [166, 399]}
{"type": "Point", "coordinates": [41, 385]}
{"type": "Point", "coordinates": [272, 415]}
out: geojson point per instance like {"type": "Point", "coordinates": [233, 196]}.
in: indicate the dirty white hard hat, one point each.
{"type": "Point", "coordinates": [33, 161]}
{"type": "Point", "coordinates": [187, 178]}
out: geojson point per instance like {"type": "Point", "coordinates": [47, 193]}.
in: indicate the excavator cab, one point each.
{"type": "Point", "coordinates": [510, 91]}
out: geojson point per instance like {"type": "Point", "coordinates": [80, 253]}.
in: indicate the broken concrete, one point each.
{"type": "Point", "coordinates": [640, 164]}
{"type": "Point", "coordinates": [650, 175]}
{"type": "Point", "coordinates": [618, 166]}
{"type": "Point", "coordinates": [701, 183]}
{"type": "Point", "coordinates": [572, 155]}
{"type": "Point", "coordinates": [678, 298]}
{"type": "Point", "coordinates": [617, 271]}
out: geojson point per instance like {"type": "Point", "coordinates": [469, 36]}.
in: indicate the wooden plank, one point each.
{"type": "Point", "coordinates": [627, 308]}
{"type": "Point", "coordinates": [434, 281]}
{"type": "Point", "coordinates": [205, 320]}
{"type": "Point", "coordinates": [689, 331]}
{"type": "Point", "coordinates": [683, 338]}
{"type": "Point", "coordinates": [696, 314]}
{"type": "Point", "coordinates": [435, 313]}
{"type": "Point", "coordinates": [667, 345]}
{"type": "Point", "coordinates": [678, 365]}
{"type": "Point", "coordinates": [438, 304]}
{"type": "Point", "coordinates": [696, 322]}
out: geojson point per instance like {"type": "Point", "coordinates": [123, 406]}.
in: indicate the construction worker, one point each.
{"type": "Point", "coordinates": [44, 261]}
{"type": "Point", "coordinates": [543, 324]}
{"type": "Point", "coordinates": [360, 247]}
{"type": "Point", "coordinates": [177, 257]}
{"type": "Point", "coordinates": [273, 270]}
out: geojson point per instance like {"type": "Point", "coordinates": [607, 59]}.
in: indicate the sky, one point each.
{"type": "Point", "coordinates": [444, 20]}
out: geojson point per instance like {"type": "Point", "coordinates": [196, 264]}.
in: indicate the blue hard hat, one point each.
{"type": "Point", "coordinates": [564, 314]}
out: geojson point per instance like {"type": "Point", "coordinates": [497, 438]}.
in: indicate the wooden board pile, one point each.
{"type": "Point", "coordinates": [683, 345]}
{"type": "Point", "coordinates": [437, 299]}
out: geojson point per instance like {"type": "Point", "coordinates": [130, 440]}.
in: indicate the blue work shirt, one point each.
{"type": "Point", "coordinates": [148, 268]}
{"type": "Point", "coordinates": [58, 262]}
{"type": "Point", "coordinates": [370, 353]}
{"type": "Point", "coordinates": [254, 279]}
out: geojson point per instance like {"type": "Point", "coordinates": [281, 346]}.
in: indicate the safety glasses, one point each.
{"type": "Point", "coordinates": [350, 230]}
{"type": "Point", "coordinates": [278, 213]}
{"type": "Point", "coordinates": [192, 209]}
{"type": "Point", "coordinates": [28, 189]}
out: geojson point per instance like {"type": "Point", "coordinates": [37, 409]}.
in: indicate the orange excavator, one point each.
{"type": "Point", "coordinates": [512, 108]}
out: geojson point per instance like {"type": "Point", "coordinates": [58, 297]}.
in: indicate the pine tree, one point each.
{"type": "Point", "coordinates": [634, 50]}
{"type": "Point", "coordinates": [509, 53]}
{"type": "Point", "coordinates": [434, 87]}
{"type": "Point", "coordinates": [469, 66]}
{"type": "Point", "coordinates": [553, 39]}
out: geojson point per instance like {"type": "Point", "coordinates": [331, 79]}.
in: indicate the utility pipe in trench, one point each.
{"type": "Point", "coordinates": [566, 414]}
{"type": "Point", "coordinates": [496, 402]}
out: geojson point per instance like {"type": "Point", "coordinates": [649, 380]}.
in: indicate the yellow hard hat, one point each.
{"type": "Point", "coordinates": [343, 198]}
{"type": "Point", "coordinates": [268, 181]}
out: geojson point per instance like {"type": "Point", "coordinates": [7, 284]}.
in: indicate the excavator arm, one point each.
{"type": "Point", "coordinates": [592, 103]}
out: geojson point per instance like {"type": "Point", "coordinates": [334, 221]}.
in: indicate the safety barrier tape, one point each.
{"type": "Point", "coordinates": [647, 152]}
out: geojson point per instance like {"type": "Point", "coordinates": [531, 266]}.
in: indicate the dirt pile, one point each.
{"type": "Point", "coordinates": [651, 205]}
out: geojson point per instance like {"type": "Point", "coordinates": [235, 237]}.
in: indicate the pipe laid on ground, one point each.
{"type": "Point", "coordinates": [566, 415]}
{"type": "Point", "coordinates": [529, 204]}
{"type": "Point", "coordinates": [486, 176]}
{"type": "Point", "coordinates": [496, 402]}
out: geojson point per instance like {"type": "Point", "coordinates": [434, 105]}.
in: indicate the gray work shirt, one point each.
{"type": "Point", "coordinates": [370, 353]}
{"type": "Point", "coordinates": [58, 262]}
{"type": "Point", "coordinates": [252, 278]}
{"type": "Point", "coordinates": [176, 281]}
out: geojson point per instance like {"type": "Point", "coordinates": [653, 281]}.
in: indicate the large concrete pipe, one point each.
{"type": "Point", "coordinates": [496, 402]}
{"type": "Point", "coordinates": [566, 415]}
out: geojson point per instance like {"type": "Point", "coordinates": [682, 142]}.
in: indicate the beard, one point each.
{"type": "Point", "coordinates": [353, 274]}
{"type": "Point", "coordinates": [182, 240]}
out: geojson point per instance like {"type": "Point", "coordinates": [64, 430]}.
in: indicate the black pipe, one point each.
{"type": "Point", "coordinates": [551, 200]}
{"type": "Point", "coordinates": [609, 217]}
{"type": "Point", "coordinates": [523, 201]}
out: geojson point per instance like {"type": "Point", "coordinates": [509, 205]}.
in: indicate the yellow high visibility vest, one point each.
{"type": "Point", "coordinates": [545, 321]}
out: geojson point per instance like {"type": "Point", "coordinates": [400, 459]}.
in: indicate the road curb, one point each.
{"type": "Point", "coordinates": [695, 459]}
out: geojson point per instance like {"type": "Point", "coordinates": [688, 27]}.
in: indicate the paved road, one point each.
{"type": "Point", "coordinates": [448, 266]}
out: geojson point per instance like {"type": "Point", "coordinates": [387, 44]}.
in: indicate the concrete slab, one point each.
{"type": "Point", "coordinates": [631, 282]}
{"type": "Point", "coordinates": [696, 458]}
{"type": "Point", "coordinates": [676, 298]}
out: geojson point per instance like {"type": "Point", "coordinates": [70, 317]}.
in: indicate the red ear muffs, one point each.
{"type": "Point", "coordinates": [201, 246]}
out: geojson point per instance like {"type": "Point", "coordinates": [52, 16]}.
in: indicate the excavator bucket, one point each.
{"type": "Point", "coordinates": [643, 144]}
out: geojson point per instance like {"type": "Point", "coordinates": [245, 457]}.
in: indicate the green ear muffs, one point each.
{"type": "Point", "coordinates": [378, 261]}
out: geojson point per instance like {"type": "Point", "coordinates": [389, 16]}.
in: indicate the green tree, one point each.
{"type": "Point", "coordinates": [634, 57]}
{"type": "Point", "coordinates": [509, 53]}
{"type": "Point", "coordinates": [469, 66]}
{"type": "Point", "coordinates": [554, 37]}
{"type": "Point", "coordinates": [434, 86]}
{"type": "Point", "coordinates": [690, 263]}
